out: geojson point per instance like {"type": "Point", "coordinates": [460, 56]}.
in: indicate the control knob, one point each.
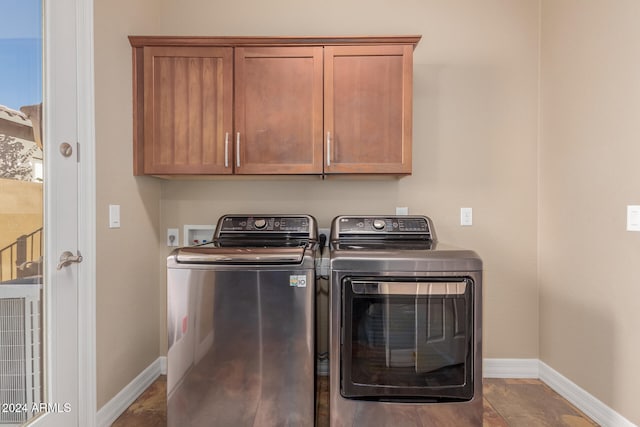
{"type": "Point", "coordinates": [378, 224]}
{"type": "Point", "coordinates": [260, 223]}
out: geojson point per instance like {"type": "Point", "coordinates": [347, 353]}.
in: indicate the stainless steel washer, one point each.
{"type": "Point", "coordinates": [405, 325]}
{"type": "Point", "coordinates": [241, 325]}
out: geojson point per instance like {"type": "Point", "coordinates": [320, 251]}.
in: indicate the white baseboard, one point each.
{"type": "Point", "coordinates": [510, 368]}
{"type": "Point", "coordinates": [587, 403]}
{"type": "Point", "coordinates": [116, 406]}
{"type": "Point", "coordinates": [581, 399]}
{"type": "Point", "coordinates": [163, 365]}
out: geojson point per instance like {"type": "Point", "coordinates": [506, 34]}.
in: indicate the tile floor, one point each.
{"type": "Point", "coordinates": [507, 403]}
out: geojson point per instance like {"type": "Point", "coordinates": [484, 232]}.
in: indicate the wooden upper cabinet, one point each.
{"type": "Point", "coordinates": [368, 109]}
{"type": "Point", "coordinates": [272, 105]}
{"type": "Point", "coordinates": [187, 111]}
{"type": "Point", "coordinates": [278, 110]}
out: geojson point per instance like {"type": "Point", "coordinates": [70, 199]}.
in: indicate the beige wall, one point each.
{"type": "Point", "coordinates": [475, 137]}
{"type": "Point", "coordinates": [589, 264]}
{"type": "Point", "coordinates": [549, 209]}
{"type": "Point", "coordinates": [128, 290]}
{"type": "Point", "coordinates": [475, 144]}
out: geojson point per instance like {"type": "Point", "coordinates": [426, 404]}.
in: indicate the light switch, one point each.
{"type": "Point", "coordinates": [114, 216]}
{"type": "Point", "coordinates": [466, 216]}
{"type": "Point", "coordinates": [633, 218]}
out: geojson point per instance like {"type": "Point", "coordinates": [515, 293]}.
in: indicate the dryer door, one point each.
{"type": "Point", "coordinates": [407, 339]}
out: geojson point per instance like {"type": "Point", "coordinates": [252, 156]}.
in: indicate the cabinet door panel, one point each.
{"type": "Point", "coordinates": [368, 109]}
{"type": "Point", "coordinates": [278, 110]}
{"type": "Point", "coordinates": [188, 107]}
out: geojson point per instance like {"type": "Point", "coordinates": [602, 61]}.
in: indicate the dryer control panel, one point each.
{"type": "Point", "coordinates": [414, 226]}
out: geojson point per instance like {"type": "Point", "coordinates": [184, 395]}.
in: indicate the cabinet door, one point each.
{"type": "Point", "coordinates": [187, 110]}
{"type": "Point", "coordinates": [368, 109]}
{"type": "Point", "coordinates": [278, 110]}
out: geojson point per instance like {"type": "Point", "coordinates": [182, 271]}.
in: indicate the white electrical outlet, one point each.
{"type": "Point", "coordinates": [466, 216]}
{"type": "Point", "coordinates": [172, 237]}
{"type": "Point", "coordinates": [326, 232]}
{"type": "Point", "coordinates": [402, 210]}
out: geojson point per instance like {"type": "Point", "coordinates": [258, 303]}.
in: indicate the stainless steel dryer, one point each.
{"type": "Point", "coordinates": [405, 325]}
{"type": "Point", "coordinates": [241, 325]}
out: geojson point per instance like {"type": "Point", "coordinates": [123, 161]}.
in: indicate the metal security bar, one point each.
{"type": "Point", "coordinates": [22, 258]}
{"type": "Point", "coordinates": [20, 344]}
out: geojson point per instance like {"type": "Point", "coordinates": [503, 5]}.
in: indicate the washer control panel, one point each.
{"type": "Point", "coordinates": [271, 224]}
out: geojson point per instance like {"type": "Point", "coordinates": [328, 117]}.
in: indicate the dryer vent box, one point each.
{"type": "Point", "coordinates": [197, 234]}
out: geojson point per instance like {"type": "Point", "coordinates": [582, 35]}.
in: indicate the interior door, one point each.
{"type": "Point", "coordinates": [69, 219]}
{"type": "Point", "coordinates": [61, 217]}
{"type": "Point", "coordinates": [442, 325]}
{"type": "Point", "coordinates": [41, 272]}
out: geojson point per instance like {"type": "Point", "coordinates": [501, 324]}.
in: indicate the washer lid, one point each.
{"type": "Point", "coordinates": [240, 255]}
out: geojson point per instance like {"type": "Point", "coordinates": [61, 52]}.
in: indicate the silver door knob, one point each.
{"type": "Point", "coordinates": [67, 258]}
{"type": "Point", "coordinates": [66, 149]}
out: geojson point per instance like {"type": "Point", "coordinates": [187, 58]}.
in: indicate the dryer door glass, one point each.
{"type": "Point", "coordinates": [407, 339]}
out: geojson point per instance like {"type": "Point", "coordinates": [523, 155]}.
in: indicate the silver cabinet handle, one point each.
{"type": "Point", "coordinates": [226, 150]}
{"type": "Point", "coordinates": [328, 148]}
{"type": "Point", "coordinates": [67, 258]}
{"type": "Point", "coordinates": [238, 150]}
